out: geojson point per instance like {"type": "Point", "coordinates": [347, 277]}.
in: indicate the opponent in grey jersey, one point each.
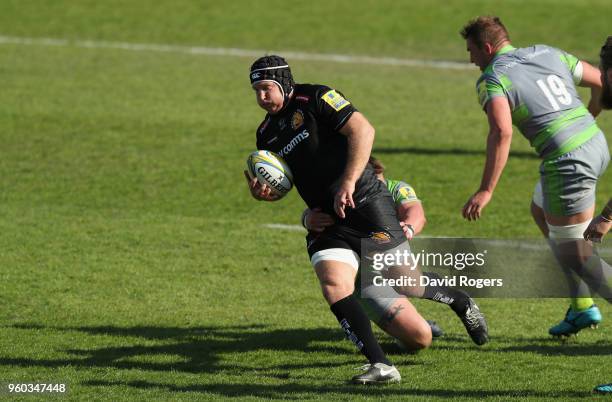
{"type": "Point", "coordinates": [538, 83]}
{"type": "Point", "coordinates": [534, 89]}
{"type": "Point", "coordinates": [602, 224]}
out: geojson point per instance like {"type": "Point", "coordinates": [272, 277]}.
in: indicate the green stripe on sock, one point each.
{"type": "Point", "coordinates": [582, 303]}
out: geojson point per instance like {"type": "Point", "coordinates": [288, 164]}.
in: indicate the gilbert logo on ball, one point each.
{"type": "Point", "coordinates": [271, 170]}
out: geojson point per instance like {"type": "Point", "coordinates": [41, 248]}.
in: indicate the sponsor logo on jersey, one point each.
{"type": "Point", "coordinates": [407, 193]}
{"type": "Point", "coordinates": [302, 98]}
{"type": "Point", "coordinates": [335, 100]}
{"type": "Point", "coordinates": [380, 237]}
{"type": "Point", "coordinates": [297, 119]}
{"type": "Point", "coordinates": [301, 136]}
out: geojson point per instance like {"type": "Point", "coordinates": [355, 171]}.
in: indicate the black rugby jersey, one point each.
{"type": "Point", "coordinates": [306, 135]}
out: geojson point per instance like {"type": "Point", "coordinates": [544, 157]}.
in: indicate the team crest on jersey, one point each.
{"type": "Point", "coordinates": [297, 119]}
{"type": "Point", "coordinates": [335, 100]}
{"type": "Point", "coordinates": [380, 237]}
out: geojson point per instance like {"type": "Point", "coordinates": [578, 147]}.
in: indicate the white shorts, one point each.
{"type": "Point", "coordinates": [344, 255]}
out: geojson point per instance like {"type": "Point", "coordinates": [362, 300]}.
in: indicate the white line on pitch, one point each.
{"type": "Point", "coordinates": [492, 242]}
{"type": "Point", "coordinates": [235, 52]}
{"type": "Point", "coordinates": [281, 226]}
{"type": "Point", "coordinates": [525, 244]}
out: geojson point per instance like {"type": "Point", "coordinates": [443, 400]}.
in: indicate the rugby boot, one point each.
{"type": "Point", "coordinates": [377, 373]}
{"type": "Point", "coordinates": [575, 321]}
{"type": "Point", "coordinates": [473, 320]}
{"type": "Point", "coordinates": [603, 389]}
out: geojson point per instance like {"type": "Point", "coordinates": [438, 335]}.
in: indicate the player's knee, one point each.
{"type": "Point", "coordinates": [337, 278]}
{"type": "Point", "coordinates": [335, 289]}
{"type": "Point", "coordinates": [418, 339]}
{"type": "Point", "coordinates": [423, 337]}
{"type": "Point", "coordinates": [417, 336]}
{"type": "Point", "coordinates": [568, 244]}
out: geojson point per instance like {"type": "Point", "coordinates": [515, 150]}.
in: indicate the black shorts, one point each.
{"type": "Point", "coordinates": [374, 223]}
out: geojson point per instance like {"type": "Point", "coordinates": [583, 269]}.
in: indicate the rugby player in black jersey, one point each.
{"type": "Point", "coordinates": [327, 143]}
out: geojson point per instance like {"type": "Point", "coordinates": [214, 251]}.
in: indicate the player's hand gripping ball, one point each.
{"type": "Point", "coordinates": [271, 170]}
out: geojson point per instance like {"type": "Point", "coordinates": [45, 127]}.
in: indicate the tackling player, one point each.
{"type": "Point", "coordinates": [534, 89]}
{"type": "Point", "coordinates": [392, 313]}
{"type": "Point", "coordinates": [327, 143]}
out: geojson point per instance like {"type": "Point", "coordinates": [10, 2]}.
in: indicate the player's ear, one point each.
{"type": "Point", "coordinates": [488, 48]}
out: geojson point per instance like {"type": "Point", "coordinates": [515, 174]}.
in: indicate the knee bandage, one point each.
{"type": "Point", "coordinates": [568, 232]}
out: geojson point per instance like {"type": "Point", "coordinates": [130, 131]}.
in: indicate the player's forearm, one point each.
{"type": "Point", "coordinates": [359, 150]}
{"type": "Point", "coordinates": [498, 142]}
{"type": "Point", "coordinates": [594, 104]}
{"type": "Point", "coordinates": [591, 78]}
{"type": "Point", "coordinates": [412, 214]}
{"type": "Point", "coordinates": [498, 148]}
{"type": "Point", "coordinates": [360, 137]}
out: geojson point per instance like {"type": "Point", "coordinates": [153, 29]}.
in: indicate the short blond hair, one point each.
{"type": "Point", "coordinates": [485, 29]}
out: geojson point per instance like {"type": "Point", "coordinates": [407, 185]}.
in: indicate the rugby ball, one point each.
{"type": "Point", "coordinates": [271, 170]}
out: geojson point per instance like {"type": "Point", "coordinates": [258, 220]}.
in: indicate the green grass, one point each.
{"type": "Point", "coordinates": [134, 262]}
{"type": "Point", "coordinates": [417, 28]}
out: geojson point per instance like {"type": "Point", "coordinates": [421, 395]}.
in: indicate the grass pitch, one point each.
{"type": "Point", "coordinates": [134, 264]}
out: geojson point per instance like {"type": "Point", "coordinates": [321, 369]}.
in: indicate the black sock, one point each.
{"type": "Point", "coordinates": [456, 299]}
{"type": "Point", "coordinates": [356, 325]}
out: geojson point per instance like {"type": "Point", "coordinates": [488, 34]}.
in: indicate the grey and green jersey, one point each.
{"type": "Point", "coordinates": [401, 191]}
{"type": "Point", "coordinates": [539, 83]}
{"type": "Point", "coordinates": [377, 301]}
